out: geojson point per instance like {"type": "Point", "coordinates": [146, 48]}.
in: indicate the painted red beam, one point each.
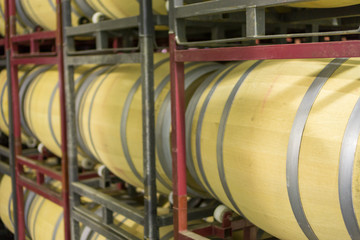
{"type": "Point", "coordinates": [33, 60]}
{"type": "Point", "coordinates": [178, 142]}
{"type": "Point", "coordinates": [40, 190]}
{"type": "Point", "coordinates": [34, 36]}
{"type": "Point", "coordinates": [39, 167]}
{"type": "Point", "coordinates": [2, 42]}
{"type": "Point", "coordinates": [285, 51]}
{"type": "Point", "coordinates": [88, 175]}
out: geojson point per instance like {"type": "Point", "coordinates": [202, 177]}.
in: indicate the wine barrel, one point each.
{"type": "Point", "coordinates": [6, 205]}
{"type": "Point", "coordinates": [114, 9]}
{"type": "Point", "coordinates": [110, 118]}
{"type": "Point", "coordinates": [26, 136]}
{"type": "Point", "coordinates": [43, 13]}
{"type": "Point", "coordinates": [40, 104]}
{"type": "Point", "coordinates": [45, 221]}
{"type": "Point", "coordinates": [277, 141]}
{"type": "Point", "coordinates": [326, 3]}
{"type": "Point", "coordinates": [21, 27]}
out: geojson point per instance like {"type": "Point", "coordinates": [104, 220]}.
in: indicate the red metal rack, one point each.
{"type": "Point", "coordinates": [36, 56]}
{"type": "Point", "coordinates": [178, 56]}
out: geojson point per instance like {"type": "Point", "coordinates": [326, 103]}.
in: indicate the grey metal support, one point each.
{"type": "Point", "coordinates": [107, 216]}
{"type": "Point", "coordinates": [315, 28]}
{"type": "Point", "coordinates": [147, 70]}
{"type": "Point", "coordinates": [255, 21]}
{"type": "Point", "coordinates": [12, 155]}
{"type": "Point", "coordinates": [102, 40]}
{"type": "Point", "coordinates": [70, 113]}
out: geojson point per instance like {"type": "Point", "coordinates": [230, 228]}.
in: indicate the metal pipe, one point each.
{"type": "Point", "coordinates": [65, 174]}
{"type": "Point", "coordinates": [12, 171]}
{"type": "Point", "coordinates": [178, 140]}
{"type": "Point", "coordinates": [74, 199]}
{"type": "Point", "coordinates": [147, 70]}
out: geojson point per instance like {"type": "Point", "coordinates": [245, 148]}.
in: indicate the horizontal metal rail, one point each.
{"type": "Point", "coordinates": [39, 167]}
{"type": "Point", "coordinates": [34, 60]}
{"type": "Point", "coordinates": [102, 51]}
{"type": "Point", "coordinates": [193, 214]}
{"type": "Point", "coordinates": [90, 219]}
{"type": "Point", "coordinates": [45, 35]}
{"type": "Point", "coordinates": [103, 59]}
{"type": "Point", "coordinates": [226, 6]}
{"type": "Point", "coordinates": [109, 202]}
{"type": "Point", "coordinates": [41, 190]}
{"type": "Point", "coordinates": [286, 51]}
{"type": "Point", "coordinates": [109, 25]}
{"type": "Point", "coordinates": [263, 37]}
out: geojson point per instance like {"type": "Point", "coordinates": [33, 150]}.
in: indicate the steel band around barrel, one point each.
{"type": "Point", "coordinates": [111, 69]}
{"type": "Point", "coordinates": [346, 172]}
{"type": "Point", "coordinates": [163, 124]}
{"type": "Point", "coordinates": [23, 91]}
{"type": "Point", "coordinates": [162, 145]}
{"type": "Point", "coordinates": [85, 8]}
{"type": "Point", "coordinates": [199, 127]}
{"type": "Point", "coordinates": [293, 151]}
{"type": "Point", "coordinates": [123, 124]}
{"type": "Point", "coordinates": [52, 97]}
{"type": "Point", "coordinates": [24, 18]}
{"type": "Point", "coordinates": [189, 118]}
{"type": "Point", "coordinates": [221, 134]}
{"type": "Point", "coordinates": [57, 226]}
{"type": "Point", "coordinates": [108, 12]}
{"type": "Point", "coordinates": [80, 93]}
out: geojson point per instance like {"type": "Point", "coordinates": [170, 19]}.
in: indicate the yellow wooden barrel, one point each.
{"type": "Point", "coordinates": [43, 13]}
{"type": "Point", "coordinates": [41, 104]}
{"type": "Point", "coordinates": [6, 205]}
{"type": "Point", "coordinates": [21, 28]}
{"type": "Point", "coordinates": [110, 118]}
{"type": "Point", "coordinates": [326, 3]}
{"type": "Point", "coordinates": [26, 135]}
{"type": "Point", "coordinates": [124, 8]}
{"type": "Point", "coordinates": [277, 141]}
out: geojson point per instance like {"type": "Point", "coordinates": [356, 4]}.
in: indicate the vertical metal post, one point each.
{"type": "Point", "coordinates": [64, 163]}
{"type": "Point", "coordinates": [147, 71]}
{"type": "Point", "coordinates": [178, 127]}
{"type": "Point", "coordinates": [12, 162]}
{"type": "Point", "coordinates": [74, 199]}
{"type": "Point", "coordinates": [16, 128]}
{"type": "Point", "coordinates": [255, 21]}
{"type": "Point", "coordinates": [178, 141]}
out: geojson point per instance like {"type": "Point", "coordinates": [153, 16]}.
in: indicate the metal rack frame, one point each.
{"type": "Point", "coordinates": [17, 157]}
{"type": "Point", "coordinates": [255, 19]}
{"type": "Point", "coordinates": [105, 55]}
{"type": "Point", "coordinates": [255, 30]}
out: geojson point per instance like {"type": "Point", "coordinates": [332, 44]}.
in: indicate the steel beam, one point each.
{"type": "Point", "coordinates": [103, 59]}
{"type": "Point", "coordinates": [109, 202]}
{"type": "Point", "coordinates": [287, 51]}
{"type": "Point", "coordinates": [151, 230]}
{"type": "Point", "coordinates": [110, 231]}
{"type": "Point", "coordinates": [109, 25]}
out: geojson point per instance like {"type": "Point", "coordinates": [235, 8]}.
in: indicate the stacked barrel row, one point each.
{"type": "Point", "coordinates": [273, 140]}
{"type": "Point", "coordinates": [242, 121]}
